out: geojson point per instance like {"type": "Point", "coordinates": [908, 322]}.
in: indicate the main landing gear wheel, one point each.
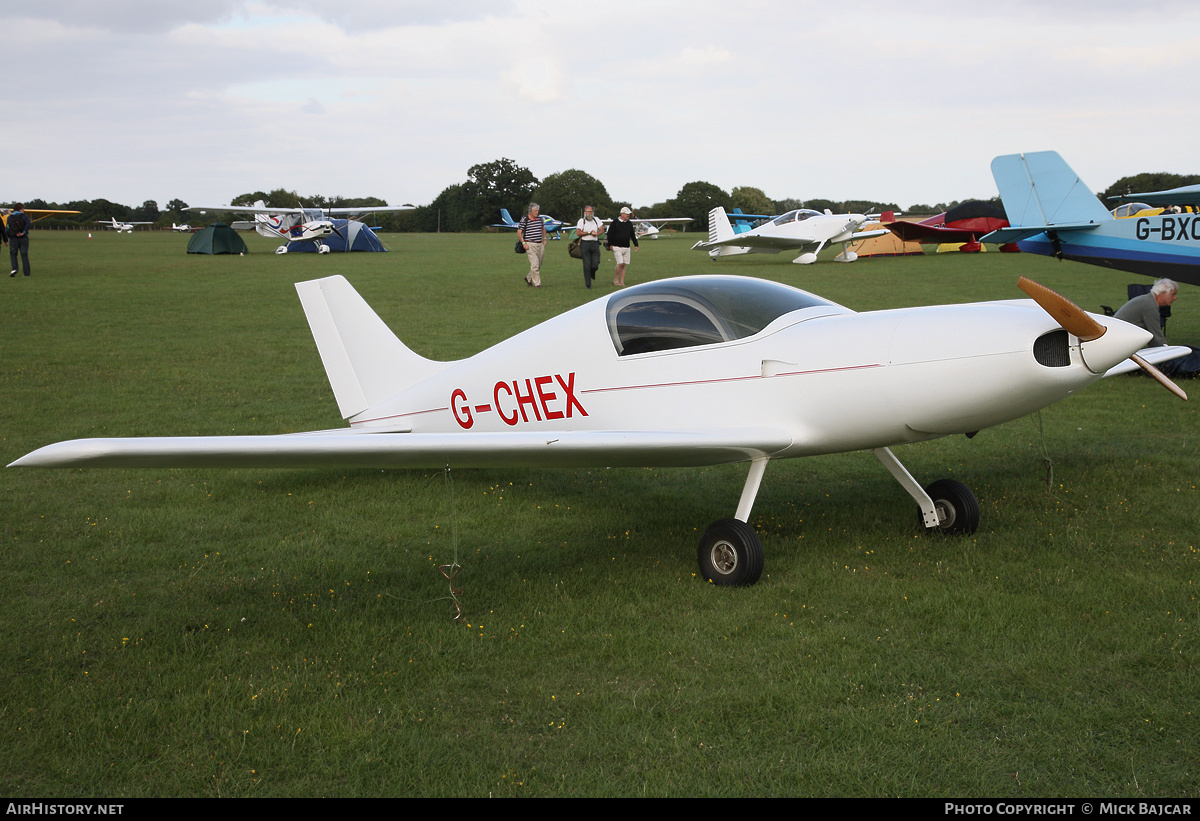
{"type": "Point", "coordinates": [957, 507]}
{"type": "Point", "coordinates": [730, 553]}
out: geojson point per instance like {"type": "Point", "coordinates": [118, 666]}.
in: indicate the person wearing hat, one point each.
{"type": "Point", "coordinates": [620, 233]}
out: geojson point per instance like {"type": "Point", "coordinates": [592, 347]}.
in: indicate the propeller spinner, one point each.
{"type": "Point", "coordinates": [1079, 323]}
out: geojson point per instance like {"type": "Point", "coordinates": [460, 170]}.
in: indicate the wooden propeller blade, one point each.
{"type": "Point", "coordinates": [1063, 310]}
{"type": "Point", "coordinates": [1162, 378]}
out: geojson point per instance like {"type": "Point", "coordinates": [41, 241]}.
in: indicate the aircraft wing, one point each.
{"type": "Point", "coordinates": [351, 449]}
{"type": "Point", "coordinates": [249, 209]}
{"type": "Point", "coordinates": [1154, 356]}
{"type": "Point", "coordinates": [42, 212]}
{"type": "Point", "coordinates": [368, 209]}
{"type": "Point", "coordinates": [919, 232]}
{"type": "Point", "coordinates": [875, 232]}
{"type": "Point", "coordinates": [778, 243]}
{"type": "Point", "coordinates": [655, 220]}
{"type": "Point", "coordinates": [1187, 195]}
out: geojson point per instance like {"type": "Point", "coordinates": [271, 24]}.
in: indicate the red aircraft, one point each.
{"type": "Point", "coordinates": [963, 223]}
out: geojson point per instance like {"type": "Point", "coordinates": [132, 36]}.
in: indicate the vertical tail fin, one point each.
{"type": "Point", "coordinates": [1040, 189]}
{"type": "Point", "coordinates": [364, 360]}
{"type": "Point", "coordinates": [505, 218]}
{"type": "Point", "coordinates": [719, 226]}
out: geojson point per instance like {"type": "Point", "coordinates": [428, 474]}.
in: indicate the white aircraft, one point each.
{"type": "Point", "coordinates": [185, 228]}
{"type": "Point", "coordinates": [676, 373]}
{"type": "Point", "coordinates": [648, 228]}
{"type": "Point", "coordinates": [121, 227]}
{"type": "Point", "coordinates": [803, 229]}
{"type": "Point", "coordinates": [296, 224]}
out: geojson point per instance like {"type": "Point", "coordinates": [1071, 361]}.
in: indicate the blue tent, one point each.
{"type": "Point", "coordinates": [350, 235]}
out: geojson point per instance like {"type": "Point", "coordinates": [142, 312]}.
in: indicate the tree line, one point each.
{"type": "Point", "coordinates": [476, 202]}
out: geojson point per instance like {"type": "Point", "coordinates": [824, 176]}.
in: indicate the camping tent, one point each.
{"type": "Point", "coordinates": [217, 238]}
{"type": "Point", "coordinates": [349, 235]}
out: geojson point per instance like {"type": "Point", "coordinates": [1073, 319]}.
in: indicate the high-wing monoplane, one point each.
{"type": "Point", "coordinates": [120, 227]}
{"type": "Point", "coordinates": [34, 214]}
{"type": "Point", "coordinates": [297, 224]}
{"type": "Point", "coordinates": [677, 373]}
{"type": "Point", "coordinates": [1051, 212]}
{"type": "Point", "coordinates": [801, 230]}
{"type": "Point", "coordinates": [649, 228]}
{"type": "Point", "coordinates": [964, 223]}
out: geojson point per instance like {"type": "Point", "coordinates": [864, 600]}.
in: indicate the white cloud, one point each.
{"type": "Point", "coordinates": [906, 102]}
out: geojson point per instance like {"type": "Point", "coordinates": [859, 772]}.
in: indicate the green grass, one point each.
{"type": "Point", "coordinates": [287, 633]}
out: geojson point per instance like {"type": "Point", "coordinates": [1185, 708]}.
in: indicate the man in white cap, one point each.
{"type": "Point", "coordinates": [620, 233]}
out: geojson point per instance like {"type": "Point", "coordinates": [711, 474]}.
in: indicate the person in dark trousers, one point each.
{"type": "Point", "coordinates": [17, 229]}
{"type": "Point", "coordinates": [589, 230]}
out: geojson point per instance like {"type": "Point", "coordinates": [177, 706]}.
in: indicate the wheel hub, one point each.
{"type": "Point", "coordinates": [724, 557]}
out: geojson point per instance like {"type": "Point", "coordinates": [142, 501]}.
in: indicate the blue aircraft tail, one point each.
{"type": "Point", "coordinates": [1040, 193]}
{"type": "Point", "coordinates": [505, 218]}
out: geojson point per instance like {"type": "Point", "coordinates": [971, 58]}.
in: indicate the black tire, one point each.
{"type": "Point", "coordinates": [730, 553]}
{"type": "Point", "coordinates": [957, 507]}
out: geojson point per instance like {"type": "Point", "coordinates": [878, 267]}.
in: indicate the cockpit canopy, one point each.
{"type": "Point", "coordinates": [1129, 209]}
{"type": "Point", "coordinates": [684, 313]}
{"type": "Point", "coordinates": [799, 215]}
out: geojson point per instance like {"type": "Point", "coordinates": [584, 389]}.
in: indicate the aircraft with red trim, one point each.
{"type": "Point", "coordinates": [964, 223]}
{"type": "Point", "coordinates": [678, 373]}
{"type": "Point", "coordinates": [297, 224]}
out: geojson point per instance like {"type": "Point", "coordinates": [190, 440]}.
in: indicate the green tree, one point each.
{"type": "Point", "coordinates": [565, 194]}
{"type": "Point", "coordinates": [751, 200]}
{"type": "Point", "coordinates": [696, 199]}
{"type": "Point", "coordinates": [495, 185]}
{"type": "Point", "coordinates": [453, 210]}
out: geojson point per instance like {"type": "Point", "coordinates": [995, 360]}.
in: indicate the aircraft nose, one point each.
{"type": "Point", "coordinates": [1119, 341]}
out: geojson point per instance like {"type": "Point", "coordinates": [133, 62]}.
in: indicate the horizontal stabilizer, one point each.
{"type": "Point", "coordinates": [350, 449]}
{"type": "Point", "coordinates": [1005, 235]}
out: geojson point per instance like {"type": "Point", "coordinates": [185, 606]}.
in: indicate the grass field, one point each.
{"type": "Point", "coordinates": [287, 632]}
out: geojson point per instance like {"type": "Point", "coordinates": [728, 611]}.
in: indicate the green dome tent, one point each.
{"type": "Point", "coordinates": [217, 238]}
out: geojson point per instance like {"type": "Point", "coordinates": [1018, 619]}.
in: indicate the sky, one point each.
{"type": "Point", "coordinates": [903, 102]}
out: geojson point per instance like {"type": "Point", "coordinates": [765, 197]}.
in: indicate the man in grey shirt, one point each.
{"type": "Point", "coordinates": [1143, 310]}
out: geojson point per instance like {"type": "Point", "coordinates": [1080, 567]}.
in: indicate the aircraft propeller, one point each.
{"type": "Point", "coordinates": [1076, 321]}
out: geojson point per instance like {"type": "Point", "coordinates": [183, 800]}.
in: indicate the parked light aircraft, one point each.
{"type": "Point", "coordinates": [1051, 212]}
{"type": "Point", "coordinates": [185, 228]}
{"type": "Point", "coordinates": [648, 228]}
{"type": "Point", "coordinates": [677, 373]}
{"type": "Point", "coordinates": [298, 224]}
{"type": "Point", "coordinates": [746, 222]}
{"type": "Point", "coordinates": [803, 229]}
{"type": "Point", "coordinates": [34, 214]}
{"type": "Point", "coordinates": [121, 227]}
{"type": "Point", "coordinates": [552, 225]}
{"type": "Point", "coordinates": [964, 223]}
